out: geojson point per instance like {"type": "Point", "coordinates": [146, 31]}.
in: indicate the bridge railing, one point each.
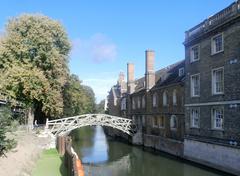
{"type": "Point", "coordinates": [65, 125]}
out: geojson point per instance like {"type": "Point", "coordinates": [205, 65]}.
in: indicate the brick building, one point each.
{"type": "Point", "coordinates": [191, 108]}
{"type": "Point", "coordinates": [155, 103]}
{"type": "Point", "coordinates": [212, 90]}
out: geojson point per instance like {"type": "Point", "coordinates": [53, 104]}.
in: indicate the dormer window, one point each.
{"type": "Point", "coordinates": [181, 71]}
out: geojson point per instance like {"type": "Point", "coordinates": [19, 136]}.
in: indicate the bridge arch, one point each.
{"type": "Point", "coordinates": [66, 125]}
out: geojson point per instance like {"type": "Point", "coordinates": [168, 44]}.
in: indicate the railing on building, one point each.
{"type": "Point", "coordinates": [223, 16]}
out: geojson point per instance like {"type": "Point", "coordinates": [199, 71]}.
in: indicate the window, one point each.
{"type": "Point", "coordinates": [218, 81]}
{"type": "Point", "coordinates": [161, 122]}
{"type": "Point", "coordinates": [143, 102]}
{"type": "Point", "coordinates": [143, 120]}
{"type": "Point", "coordinates": [134, 119]}
{"type": "Point", "coordinates": [165, 98]}
{"type": "Point", "coordinates": [123, 104]}
{"type": "Point", "coordinates": [155, 122]}
{"type": "Point", "coordinates": [133, 104]}
{"type": "Point", "coordinates": [181, 72]}
{"type": "Point", "coordinates": [173, 122]}
{"type": "Point", "coordinates": [217, 118]}
{"type": "Point", "coordinates": [139, 103]}
{"type": "Point", "coordinates": [217, 44]}
{"type": "Point", "coordinates": [195, 85]}
{"type": "Point", "coordinates": [195, 117]}
{"type": "Point", "coordinates": [174, 97]}
{"type": "Point", "coordinates": [155, 100]}
{"type": "Point", "coordinates": [194, 53]}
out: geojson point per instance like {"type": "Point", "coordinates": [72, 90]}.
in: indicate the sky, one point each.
{"type": "Point", "coordinates": [107, 34]}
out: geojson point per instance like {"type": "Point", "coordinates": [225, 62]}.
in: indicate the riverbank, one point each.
{"type": "Point", "coordinates": [22, 159]}
{"type": "Point", "coordinates": [50, 163]}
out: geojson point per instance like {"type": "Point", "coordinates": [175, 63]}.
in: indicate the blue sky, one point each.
{"type": "Point", "coordinates": [106, 34]}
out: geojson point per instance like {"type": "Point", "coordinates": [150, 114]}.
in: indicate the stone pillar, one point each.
{"type": "Point", "coordinates": [130, 78]}
{"type": "Point", "coordinates": [149, 73]}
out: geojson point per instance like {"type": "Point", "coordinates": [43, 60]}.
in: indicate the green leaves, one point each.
{"type": "Point", "coordinates": [34, 61]}
{"type": "Point", "coordinates": [5, 122]}
{"type": "Point", "coordinates": [34, 54]}
{"type": "Point", "coordinates": [78, 99]}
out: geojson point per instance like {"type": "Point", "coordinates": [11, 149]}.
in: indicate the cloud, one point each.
{"type": "Point", "coordinates": [101, 85]}
{"type": "Point", "coordinates": [98, 48]}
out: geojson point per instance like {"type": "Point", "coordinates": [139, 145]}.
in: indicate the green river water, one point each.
{"type": "Point", "coordinates": [107, 157]}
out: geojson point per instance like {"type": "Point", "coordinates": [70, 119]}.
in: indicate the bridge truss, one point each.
{"type": "Point", "coordinates": [66, 125]}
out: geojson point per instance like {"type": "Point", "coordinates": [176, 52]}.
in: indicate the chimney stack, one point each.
{"type": "Point", "coordinates": [130, 78]}
{"type": "Point", "coordinates": [150, 73]}
{"type": "Point", "coordinates": [120, 78]}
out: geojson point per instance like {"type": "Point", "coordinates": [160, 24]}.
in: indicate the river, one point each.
{"type": "Point", "coordinates": [106, 157]}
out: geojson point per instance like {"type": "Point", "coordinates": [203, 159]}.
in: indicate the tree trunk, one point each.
{"type": "Point", "coordinates": [30, 118]}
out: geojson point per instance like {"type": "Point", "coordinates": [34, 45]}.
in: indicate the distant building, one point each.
{"type": "Point", "coordinates": [115, 94]}
{"type": "Point", "coordinates": [155, 102]}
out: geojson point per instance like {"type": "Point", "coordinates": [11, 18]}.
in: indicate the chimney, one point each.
{"type": "Point", "coordinates": [150, 73]}
{"type": "Point", "coordinates": [120, 78]}
{"type": "Point", "coordinates": [130, 78]}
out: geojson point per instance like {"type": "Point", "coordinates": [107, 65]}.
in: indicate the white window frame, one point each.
{"type": "Point", "coordinates": [165, 98]}
{"type": "Point", "coordinates": [192, 53]}
{"type": "Point", "coordinates": [214, 119]}
{"type": "Point", "coordinates": [214, 92]}
{"type": "Point", "coordinates": [213, 44]}
{"type": "Point", "coordinates": [171, 122]}
{"type": "Point", "coordinates": [192, 118]}
{"type": "Point", "coordinates": [174, 97]}
{"type": "Point", "coordinates": [192, 86]}
{"type": "Point", "coordinates": [154, 100]}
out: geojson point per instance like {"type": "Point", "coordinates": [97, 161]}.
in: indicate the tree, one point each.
{"type": "Point", "coordinates": [5, 122]}
{"type": "Point", "coordinates": [34, 52]}
{"type": "Point", "coordinates": [78, 99]}
{"type": "Point", "coordinates": [100, 107]}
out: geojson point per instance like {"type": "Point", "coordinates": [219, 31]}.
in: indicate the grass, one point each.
{"type": "Point", "coordinates": [50, 164]}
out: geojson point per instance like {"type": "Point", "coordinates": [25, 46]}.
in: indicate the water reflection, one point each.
{"type": "Point", "coordinates": [104, 157]}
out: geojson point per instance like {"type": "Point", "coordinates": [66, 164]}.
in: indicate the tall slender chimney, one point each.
{"type": "Point", "coordinates": [130, 78]}
{"type": "Point", "coordinates": [120, 78]}
{"type": "Point", "coordinates": [150, 73]}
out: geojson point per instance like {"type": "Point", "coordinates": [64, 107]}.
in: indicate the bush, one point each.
{"type": "Point", "coordinates": [5, 126]}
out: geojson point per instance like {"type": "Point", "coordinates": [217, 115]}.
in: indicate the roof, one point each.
{"type": "Point", "coordinates": [171, 75]}
{"type": "Point", "coordinates": [163, 77]}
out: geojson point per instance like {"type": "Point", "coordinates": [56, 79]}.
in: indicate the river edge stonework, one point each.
{"type": "Point", "coordinates": [190, 109]}
{"type": "Point", "coordinates": [71, 159]}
